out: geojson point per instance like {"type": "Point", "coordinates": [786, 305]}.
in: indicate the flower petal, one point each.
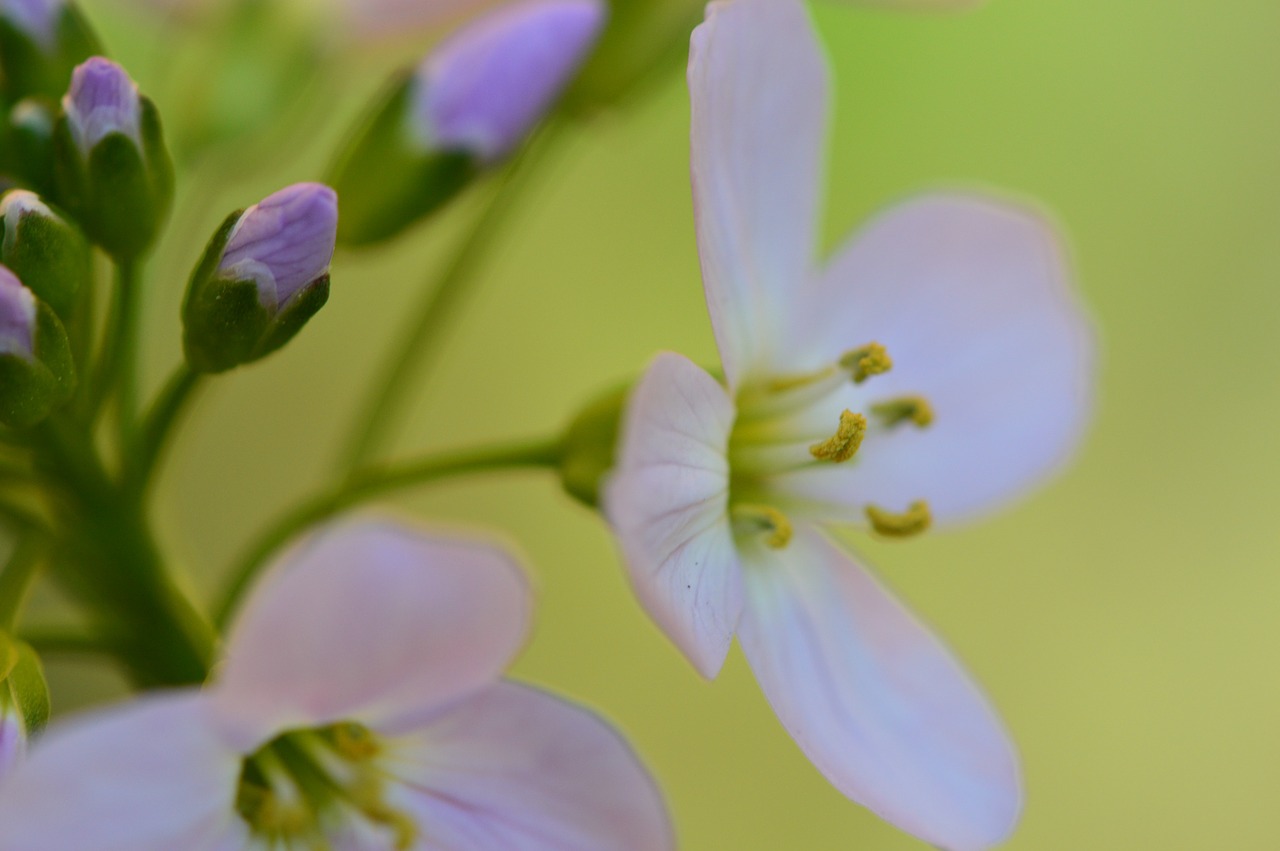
{"type": "Point", "coordinates": [758, 86]}
{"type": "Point", "coordinates": [668, 503]}
{"type": "Point", "coordinates": [513, 767]}
{"type": "Point", "coordinates": [874, 700]}
{"type": "Point", "coordinates": [150, 775]}
{"type": "Point", "coordinates": [370, 620]}
{"type": "Point", "coordinates": [974, 302]}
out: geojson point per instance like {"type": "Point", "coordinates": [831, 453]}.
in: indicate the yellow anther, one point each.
{"type": "Point", "coordinates": [914, 408]}
{"type": "Point", "coordinates": [367, 796]}
{"type": "Point", "coordinates": [844, 444]}
{"type": "Point", "coordinates": [353, 742]}
{"type": "Point", "coordinates": [913, 521]}
{"type": "Point", "coordinates": [766, 518]}
{"type": "Point", "coordinates": [866, 361]}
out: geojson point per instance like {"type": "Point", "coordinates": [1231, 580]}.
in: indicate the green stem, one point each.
{"type": "Point", "coordinates": [116, 366]}
{"type": "Point", "coordinates": [157, 425]}
{"type": "Point", "coordinates": [367, 485]}
{"type": "Point", "coordinates": [19, 575]}
{"type": "Point", "coordinates": [66, 642]}
{"type": "Point", "coordinates": [442, 297]}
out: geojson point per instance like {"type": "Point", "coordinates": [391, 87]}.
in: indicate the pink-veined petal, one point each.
{"type": "Point", "coordinates": [758, 87]}
{"type": "Point", "coordinates": [974, 301]}
{"type": "Point", "coordinates": [514, 767]}
{"type": "Point", "coordinates": [370, 620]}
{"type": "Point", "coordinates": [150, 775]}
{"type": "Point", "coordinates": [668, 502]}
{"type": "Point", "coordinates": [874, 700]}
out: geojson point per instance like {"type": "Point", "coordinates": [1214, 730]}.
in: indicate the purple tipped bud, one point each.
{"type": "Point", "coordinates": [284, 242]}
{"type": "Point", "coordinates": [13, 741]}
{"type": "Point", "coordinates": [17, 204]}
{"type": "Point", "coordinates": [37, 18]}
{"type": "Point", "coordinates": [484, 89]}
{"type": "Point", "coordinates": [17, 316]}
{"type": "Point", "coordinates": [103, 99]}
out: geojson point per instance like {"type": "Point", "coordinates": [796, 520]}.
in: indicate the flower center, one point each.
{"type": "Point", "coordinates": [296, 789]}
{"type": "Point", "coordinates": [783, 426]}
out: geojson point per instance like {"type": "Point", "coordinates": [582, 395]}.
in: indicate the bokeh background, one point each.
{"type": "Point", "coordinates": [1124, 619]}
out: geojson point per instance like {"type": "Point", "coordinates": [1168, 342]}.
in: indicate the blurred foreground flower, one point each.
{"type": "Point", "coordinates": [720, 493]}
{"type": "Point", "coordinates": [264, 274]}
{"type": "Point", "coordinates": [359, 705]}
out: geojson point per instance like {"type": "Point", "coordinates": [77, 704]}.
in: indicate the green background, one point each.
{"type": "Point", "coordinates": [1123, 619]}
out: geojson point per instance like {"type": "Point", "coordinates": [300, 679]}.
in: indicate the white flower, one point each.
{"type": "Point", "coordinates": [359, 707]}
{"type": "Point", "coordinates": [722, 491]}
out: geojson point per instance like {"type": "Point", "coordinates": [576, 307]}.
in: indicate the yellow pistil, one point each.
{"type": "Point", "coordinates": [766, 518]}
{"type": "Point", "coordinates": [844, 444]}
{"type": "Point", "coordinates": [866, 361]}
{"type": "Point", "coordinates": [914, 408]}
{"type": "Point", "coordinates": [913, 521]}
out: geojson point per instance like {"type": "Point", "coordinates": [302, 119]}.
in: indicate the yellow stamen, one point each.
{"type": "Point", "coordinates": [844, 444]}
{"type": "Point", "coordinates": [368, 799]}
{"type": "Point", "coordinates": [914, 408]}
{"type": "Point", "coordinates": [793, 382]}
{"type": "Point", "coordinates": [766, 518]}
{"type": "Point", "coordinates": [353, 742]}
{"type": "Point", "coordinates": [913, 521]}
{"type": "Point", "coordinates": [866, 361]}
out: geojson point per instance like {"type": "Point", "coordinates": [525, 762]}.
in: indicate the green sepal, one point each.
{"type": "Point", "coordinates": [305, 304]}
{"type": "Point", "coordinates": [31, 388]}
{"type": "Point", "coordinates": [386, 180]}
{"type": "Point", "coordinates": [121, 195]}
{"type": "Point", "coordinates": [51, 258]}
{"type": "Point", "coordinates": [589, 446]}
{"type": "Point", "coordinates": [223, 325]}
{"type": "Point", "coordinates": [642, 41]}
{"type": "Point", "coordinates": [8, 655]}
{"type": "Point", "coordinates": [29, 143]}
{"type": "Point", "coordinates": [29, 689]}
{"type": "Point", "coordinates": [29, 70]}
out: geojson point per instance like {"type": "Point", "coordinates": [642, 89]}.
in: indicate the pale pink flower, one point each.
{"type": "Point", "coordinates": [722, 490]}
{"type": "Point", "coordinates": [359, 707]}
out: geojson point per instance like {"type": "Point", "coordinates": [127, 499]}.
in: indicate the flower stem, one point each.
{"type": "Point", "coordinates": [116, 360]}
{"type": "Point", "coordinates": [366, 485]}
{"type": "Point", "coordinates": [442, 297]}
{"type": "Point", "coordinates": [158, 424]}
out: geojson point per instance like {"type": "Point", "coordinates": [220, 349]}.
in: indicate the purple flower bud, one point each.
{"type": "Point", "coordinates": [283, 242]}
{"type": "Point", "coordinates": [16, 204]}
{"type": "Point", "coordinates": [17, 316]}
{"type": "Point", "coordinates": [103, 99]}
{"type": "Point", "coordinates": [485, 88]}
{"type": "Point", "coordinates": [37, 18]}
{"type": "Point", "coordinates": [13, 740]}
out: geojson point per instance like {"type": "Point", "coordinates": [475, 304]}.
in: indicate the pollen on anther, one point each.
{"type": "Point", "coordinates": [866, 361]}
{"type": "Point", "coordinates": [915, 520]}
{"type": "Point", "coordinates": [766, 518]}
{"type": "Point", "coordinates": [844, 444]}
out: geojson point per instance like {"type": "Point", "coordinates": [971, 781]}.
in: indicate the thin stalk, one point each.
{"type": "Point", "coordinates": [19, 575]}
{"type": "Point", "coordinates": [158, 424]}
{"type": "Point", "coordinates": [116, 367]}
{"type": "Point", "coordinates": [443, 296]}
{"type": "Point", "coordinates": [65, 642]}
{"type": "Point", "coordinates": [367, 485]}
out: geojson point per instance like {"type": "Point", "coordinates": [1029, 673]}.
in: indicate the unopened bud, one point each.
{"type": "Point", "coordinates": [36, 371]}
{"type": "Point", "coordinates": [40, 42]}
{"type": "Point", "coordinates": [263, 275]}
{"type": "Point", "coordinates": [466, 107]}
{"type": "Point", "coordinates": [113, 169]}
{"type": "Point", "coordinates": [30, 142]}
{"type": "Point", "coordinates": [48, 254]}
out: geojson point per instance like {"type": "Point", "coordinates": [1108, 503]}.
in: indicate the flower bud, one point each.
{"type": "Point", "coordinates": [113, 170]}
{"type": "Point", "coordinates": [263, 275]}
{"type": "Point", "coordinates": [24, 700]}
{"type": "Point", "coordinates": [40, 42]}
{"type": "Point", "coordinates": [467, 106]}
{"type": "Point", "coordinates": [30, 143]}
{"type": "Point", "coordinates": [36, 371]}
{"type": "Point", "coordinates": [48, 254]}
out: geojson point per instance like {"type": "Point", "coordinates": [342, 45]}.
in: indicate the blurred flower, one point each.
{"type": "Point", "coordinates": [13, 740]}
{"type": "Point", "coordinates": [720, 495]}
{"type": "Point", "coordinates": [485, 88]}
{"type": "Point", "coordinates": [37, 18]}
{"type": "Point", "coordinates": [284, 242]}
{"type": "Point", "coordinates": [359, 705]}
